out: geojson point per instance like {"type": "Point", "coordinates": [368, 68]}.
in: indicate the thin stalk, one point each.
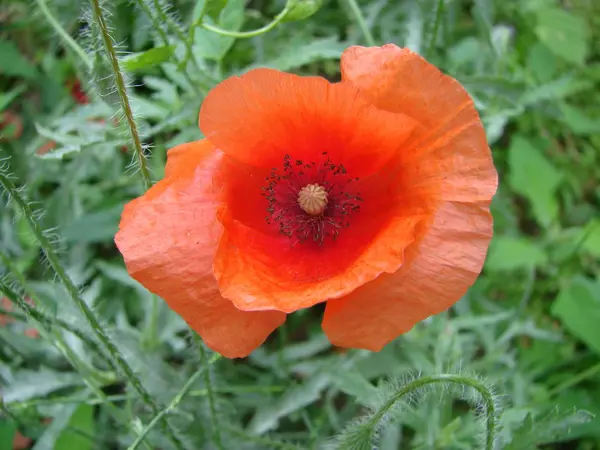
{"type": "Point", "coordinates": [122, 92]}
{"type": "Point", "coordinates": [163, 36]}
{"type": "Point", "coordinates": [188, 45]}
{"type": "Point", "coordinates": [436, 26]}
{"type": "Point", "coordinates": [89, 375]}
{"type": "Point", "coordinates": [248, 34]}
{"type": "Point", "coordinates": [176, 400]}
{"type": "Point", "coordinates": [211, 395]}
{"type": "Point", "coordinates": [361, 22]}
{"type": "Point", "coordinates": [486, 395]}
{"type": "Point", "coordinates": [69, 41]}
{"type": "Point", "coordinates": [71, 289]}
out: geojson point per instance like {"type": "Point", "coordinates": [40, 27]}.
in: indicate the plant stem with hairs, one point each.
{"type": "Point", "coordinates": [122, 92]}
{"type": "Point", "coordinates": [73, 292]}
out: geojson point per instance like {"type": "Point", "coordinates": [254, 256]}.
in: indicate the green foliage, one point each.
{"type": "Point", "coordinates": [533, 70]}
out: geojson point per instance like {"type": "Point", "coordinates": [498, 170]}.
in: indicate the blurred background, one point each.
{"type": "Point", "coordinates": [530, 327]}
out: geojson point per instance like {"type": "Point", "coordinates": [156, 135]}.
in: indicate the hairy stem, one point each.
{"type": "Point", "coordinates": [482, 389]}
{"type": "Point", "coordinates": [122, 92]}
{"type": "Point", "coordinates": [72, 290]}
{"type": "Point", "coordinates": [209, 388]}
{"type": "Point", "coordinates": [160, 416]}
{"type": "Point", "coordinates": [361, 22]}
{"type": "Point", "coordinates": [69, 41]}
{"type": "Point", "coordinates": [248, 34]}
{"type": "Point", "coordinates": [41, 317]}
{"type": "Point", "coordinates": [89, 375]}
{"type": "Point", "coordinates": [165, 39]}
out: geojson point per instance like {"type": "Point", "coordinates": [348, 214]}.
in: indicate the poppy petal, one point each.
{"type": "Point", "coordinates": [452, 167]}
{"type": "Point", "coordinates": [437, 272]}
{"type": "Point", "coordinates": [168, 238]}
{"type": "Point", "coordinates": [264, 115]}
{"type": "Point", "coordinates": [257, 271]}
{"type": "Point", "coordinates": [451, 147]}
{"type": "Point", "coordinates": [399, 80]}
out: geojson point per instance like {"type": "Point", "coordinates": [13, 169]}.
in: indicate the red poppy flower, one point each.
{"type": "Point", "coordinates": [371, 194]}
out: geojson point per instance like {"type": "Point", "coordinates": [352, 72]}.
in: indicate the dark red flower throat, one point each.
{"type": "Point", "coordinates": [310, 201]}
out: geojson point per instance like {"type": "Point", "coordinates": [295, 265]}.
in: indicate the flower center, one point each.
{"type": "Point", "coordinates": [311, 201]}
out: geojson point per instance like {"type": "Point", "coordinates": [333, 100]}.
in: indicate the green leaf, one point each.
{"type": "Point", "coordinates": [578, 122]}
{"type": "Point", "coordinates": [541, 62]}
{"type": "Point", "coordinates": [554, 426]}
{"type": "Point", "coordinates": [296, 56]}
{"type": "Point", "coordinates": [554, 90]}
{"type": "Point", "coordinates": [591, 236]}
{"type": "Point", "coordinates": [214, 46]}
{"type": "Point", "coordinates": [564, 33]}
{"type": "Point", "coordinates": [82, 420]}
{"type": "Point", "coordinates": [8, 430]}
{"type": "Point", "coordinates": [510, 253]}
{"type": "Point", "coordinates": [13, 64]}
{"type": "Point", "coordinates": [29, 384]}
{"type": "Point", "coordinates": [147, 59]}
{"type": "Point", "coordinates": [578, 308]}
{"type": "Point", "coordinates": [47, 440]}
{"type": "Point", "coordinates": [8, 97]}
{"type": "Point", "coordinates": [535, 178]}
{"type": "Point", "coordinates": [99, 226]}
{"type": "Point", "coordinates": [211, 8]}
{"type": "Point", "coordinates": [356, 385]}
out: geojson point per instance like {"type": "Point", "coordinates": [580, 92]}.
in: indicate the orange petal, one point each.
{"type": "Point", "coordinates": [450, 148]}
{"type": "Point", "coordinates": [399, 80]}
{"type": "Point", "coordinates": [450, 165]}
{"type": "Point", "coordinates": [168, 238]}
{"type": "Point", "coordinates": [265, 114]}
{"type": "Point", "coordinates": [438, 271]}
{"type": "Point", "coordinates": [257, 271]}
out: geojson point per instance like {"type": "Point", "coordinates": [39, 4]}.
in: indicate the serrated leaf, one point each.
{"type": "Point", "coordinates": [60, 153]}
{"type": "Point", "coordinates": [555, 90]}
{"type": "Point", "coordinates": [147, 59]}
{"type": "Point", "coordinates": [564, 33]}
{"type": "Point", "coordinates": [535, 178]}
{"type": "Point", "coordinates": [578, 308]}
{"type": "Point", "coordinates": [509, 253]}
{"type": "Point", "coordinates": [554, 426]}
{"type": "Point", "coordinates": [297, 56]}
{"type": "Point", "coordinates": [29, 384]}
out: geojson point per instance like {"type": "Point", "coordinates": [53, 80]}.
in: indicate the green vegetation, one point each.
{"type": "Point", "coordinates": [92, 94]}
